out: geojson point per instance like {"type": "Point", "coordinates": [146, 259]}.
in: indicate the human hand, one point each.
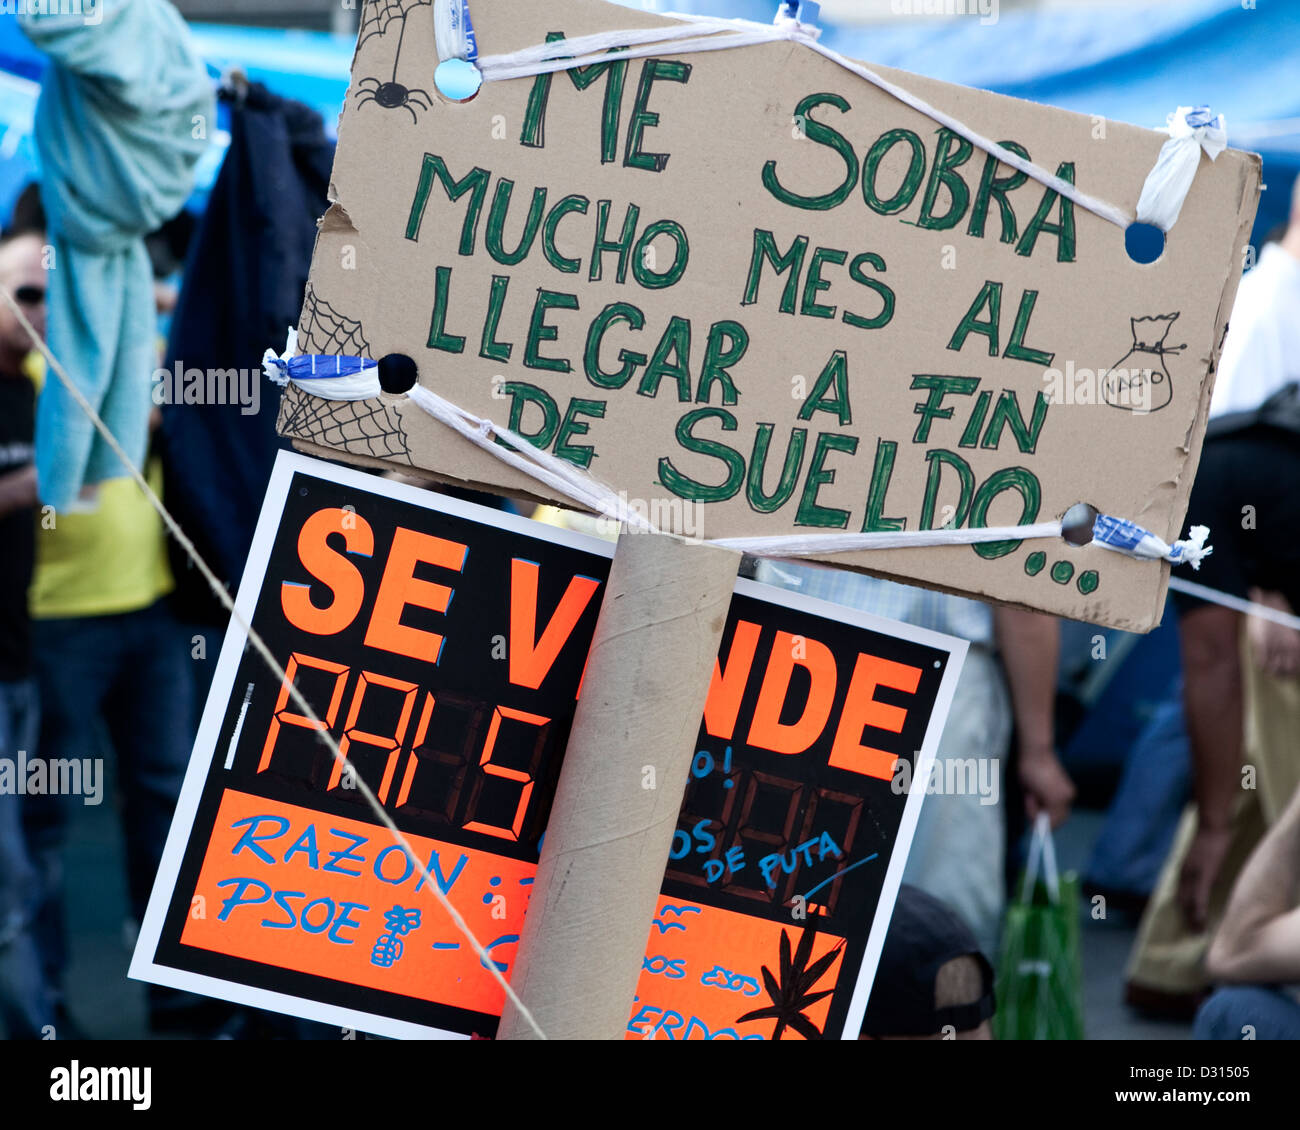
{"type": "Point", "coordinates": [1200, 871]}
{"type": "Point", "coordinates": [1275, 648]}
{"type": "Point", "coordinates": [1046, 784]}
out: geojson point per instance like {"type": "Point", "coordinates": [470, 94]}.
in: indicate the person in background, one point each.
{"type": "Point", "coordinates": [1133, 844]}
{"type": "Point", "coordinates": [932, 983]}
{"type": "Point", "coordinates": [1256, 950]}
{"type": "Point", "coordinates": [111, 660]}
{"type": "Point", "coordinates": [125, 112]}
{"type": "Point", "coordinates": [26, 1007]}
{"type": "Point", "coordinates": [1241, 713]}
{"type": "Point", "coordinates": [108, 659]}
{"type": "Point", "coordinates": [958, 848]}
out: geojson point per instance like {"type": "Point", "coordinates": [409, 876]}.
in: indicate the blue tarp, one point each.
{"type": "Point", "coordinates": [307, 65]}
{"type": "Point", "coordinates": [1133, 63]}
{"type": "Point", "coordinates": [311, 67]}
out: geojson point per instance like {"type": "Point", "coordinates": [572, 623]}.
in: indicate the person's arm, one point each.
{"type": "Point", "coordinates": [17, 491]}
{"type": "Point", "coordinates": [1030, 644]}
{"type": "Point", "coordinates": [1259, 939]}
{"type": "Point", "coordinates": [1274, 647]}
{"type": "Point", "coordinates": [1212, 700]}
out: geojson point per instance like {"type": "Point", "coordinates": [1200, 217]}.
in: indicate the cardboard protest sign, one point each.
{"type": "Point", "coordinates": [750, 281]}
{"type": "Point", "coordinates": [444, 646]}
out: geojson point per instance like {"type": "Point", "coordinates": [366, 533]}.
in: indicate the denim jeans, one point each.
{"type": "Point", "coordinates": [1236, 1012]}
{"type": "Point", "coordinates": [132, 671]}
{"type": "Point", "coordinates": [1143, 818]}
{"type": "Point", "coordinates": [26, 1005]}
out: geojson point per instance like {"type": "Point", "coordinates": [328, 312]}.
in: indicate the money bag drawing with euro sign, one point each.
{"type": "Point", "coordinates": [1139, 381]}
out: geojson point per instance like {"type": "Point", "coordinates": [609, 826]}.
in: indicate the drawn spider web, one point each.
{"type": "Point", "coordinates": [325, 331]}
{"type": "Point", "coordinates": [361, 427]}
{"type": "Point", "coordinates": [379, 14]}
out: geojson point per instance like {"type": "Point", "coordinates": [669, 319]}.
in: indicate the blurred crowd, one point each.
{"type": "Point", "coordinates": [104, 632]}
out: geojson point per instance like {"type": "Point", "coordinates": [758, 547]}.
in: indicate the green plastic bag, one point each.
{"type": "Point", "coordinates": [1040, 974]}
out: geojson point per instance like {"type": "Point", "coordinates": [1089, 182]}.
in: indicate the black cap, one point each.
{"type": "Point", "coordinates": [924, 935]}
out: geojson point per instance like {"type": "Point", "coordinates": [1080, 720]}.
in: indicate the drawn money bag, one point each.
{"type": "Point", "coordinates": [1139, 381]}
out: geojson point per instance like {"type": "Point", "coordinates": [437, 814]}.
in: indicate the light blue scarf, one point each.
{"type": "Point", "coordinates": [125, 111]}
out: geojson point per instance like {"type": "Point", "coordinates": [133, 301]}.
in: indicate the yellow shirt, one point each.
{"type": "Point", "coordinates": [102, 562]}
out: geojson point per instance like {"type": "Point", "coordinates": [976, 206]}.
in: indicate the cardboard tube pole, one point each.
{"type": "Point", "coordinates": [611, 828]}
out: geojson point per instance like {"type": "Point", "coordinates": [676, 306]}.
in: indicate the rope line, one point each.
{"type": "Point", "coordinates": [703, 33]}
{"type": "Point", "coordinates": [695, 34]}
{"type": "Point", "coordinates": [1227, 600]}
{"type": "Point", "coordinates": [357, 375]}
{"type": "Point", "coordinates": [259, 645]}
{"type": "Point", "coordinates": [531, 456]}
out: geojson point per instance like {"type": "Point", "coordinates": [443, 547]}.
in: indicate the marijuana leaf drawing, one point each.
{"type": "Point", "coordinates": [792, 994]}
{"type": "Point", "coordinates": [379, 16]}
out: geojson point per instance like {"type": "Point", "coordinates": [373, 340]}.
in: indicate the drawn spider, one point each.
{"type": "Point", "coordinates": [379, 16]}
{"type": "Point", "coordinates": [392, 96]}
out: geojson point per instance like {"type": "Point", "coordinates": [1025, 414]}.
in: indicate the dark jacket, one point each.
{"type": "Point", "coordinates": [244, 281]}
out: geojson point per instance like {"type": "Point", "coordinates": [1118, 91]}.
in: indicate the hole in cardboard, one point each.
{"type": "Point", "coordinates": [457, 80]}
{"type": "Point", "coordinates": [397, 373]}
{"type": "Point", "coordinates": [1076, 526]}
{"type": "Point", "coordinates": [1145, 243]}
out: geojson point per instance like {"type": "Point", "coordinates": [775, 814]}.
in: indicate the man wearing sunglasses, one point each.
{"type": "Point", "coordinates": [25, 1005]}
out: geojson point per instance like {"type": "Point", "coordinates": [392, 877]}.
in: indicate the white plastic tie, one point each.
{"type": "Point", "coordinates": [276, 365]}
{"type": "Point", "coordinates": [1192, 129]}
{"type": "Point", "coordinates": [453, 30]}
{"type": "Point", "coordinates": [1131, 539]}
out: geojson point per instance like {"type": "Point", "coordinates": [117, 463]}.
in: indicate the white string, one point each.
{"type": "Point", "coordinates": [595, 496]}
{"type": "Point", "coordinates": [1097, 207]}
{"type": "Point", "coordinates": [810, 545]}
{"type": "Point", "coordinates": [259, 645]}
{"type": "Point", "coordinates": [591, 494]}
{"type": "Point", "coordinates": [556, 473]}
{"type": "Point", "coordinates": [701, 33]}
{"type": "Point", "coordinates": [1248, 607]}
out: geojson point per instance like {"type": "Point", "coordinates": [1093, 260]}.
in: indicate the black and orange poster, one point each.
{"type": "Point", "coordinates": [443, 645]}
